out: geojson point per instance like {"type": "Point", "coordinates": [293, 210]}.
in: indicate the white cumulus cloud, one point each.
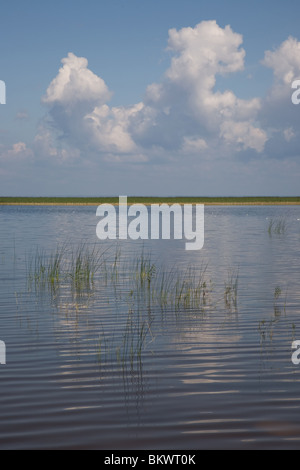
{"type": "Point", "coordinates": [285, 61]}
{"type": "Point", "coordinates": [183, 114]}
{"type": "Point", "coordinates": [75, 84]}
{"type": "Point", "coordinates": [279, 117]}
{"type": "Point", "coordinates": [186, 104]}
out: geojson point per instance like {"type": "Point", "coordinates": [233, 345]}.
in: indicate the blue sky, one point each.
{"type": "Point", "coordinates": [176, 97]}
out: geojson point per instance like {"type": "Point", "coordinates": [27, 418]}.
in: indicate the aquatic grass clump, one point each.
{"type": "Point", "coordinates": [134, 337]}
{"type": "Point", "coordinates": [277, 226]}
{"type": "Point", "coordinates": [67, 265]}
{"type": "Point", "coordinates": [192, 289]}
{"type": "Point", "coordinates": [85, 263]}
{"type": "Point", "coordinates": [55, 266]}
{"type": "Point", "coordinates": [144, 271]}
{"type": "Point", "coordinates": [148, 289]}
{"type": "Point", "coordinates": [268, 328]}
{"type": "Point", "coordinates": [143, 284]}
{"type": "Point", "coordinates": [171, 289]}
{"type": "Point", "coordinates": [73, 275]}
{"type": "Point", "coordinates": [115, 266]}
{"type": "Point", "coordinates": [163, 288]}
{"type": "Point", "coordinates": [156, 287]}
{"type": "Point", "coordinates": [231, 289]}
{"type": "Point", "coordinates": [128, 346]}
{"type": "Point", "coordinates": [36, 267]}
{"type": "Point", "coordinates": [45, 270]}
{"type": "Point", "coordinates": [280, 302]}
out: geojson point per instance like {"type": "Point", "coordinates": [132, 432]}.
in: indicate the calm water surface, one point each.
{"type": "Point", "coordinates": [214, 377]}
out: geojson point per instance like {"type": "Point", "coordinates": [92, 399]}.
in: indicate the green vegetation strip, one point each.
{"type": "Point", "coordinates": [149, 200]}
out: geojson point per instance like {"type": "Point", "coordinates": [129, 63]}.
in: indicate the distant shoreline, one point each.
{"type": "Point", "coordinates": [221, 201]}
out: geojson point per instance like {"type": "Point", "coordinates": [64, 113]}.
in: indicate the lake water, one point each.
{"type": "Point", "coordinates": [121, 364]}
